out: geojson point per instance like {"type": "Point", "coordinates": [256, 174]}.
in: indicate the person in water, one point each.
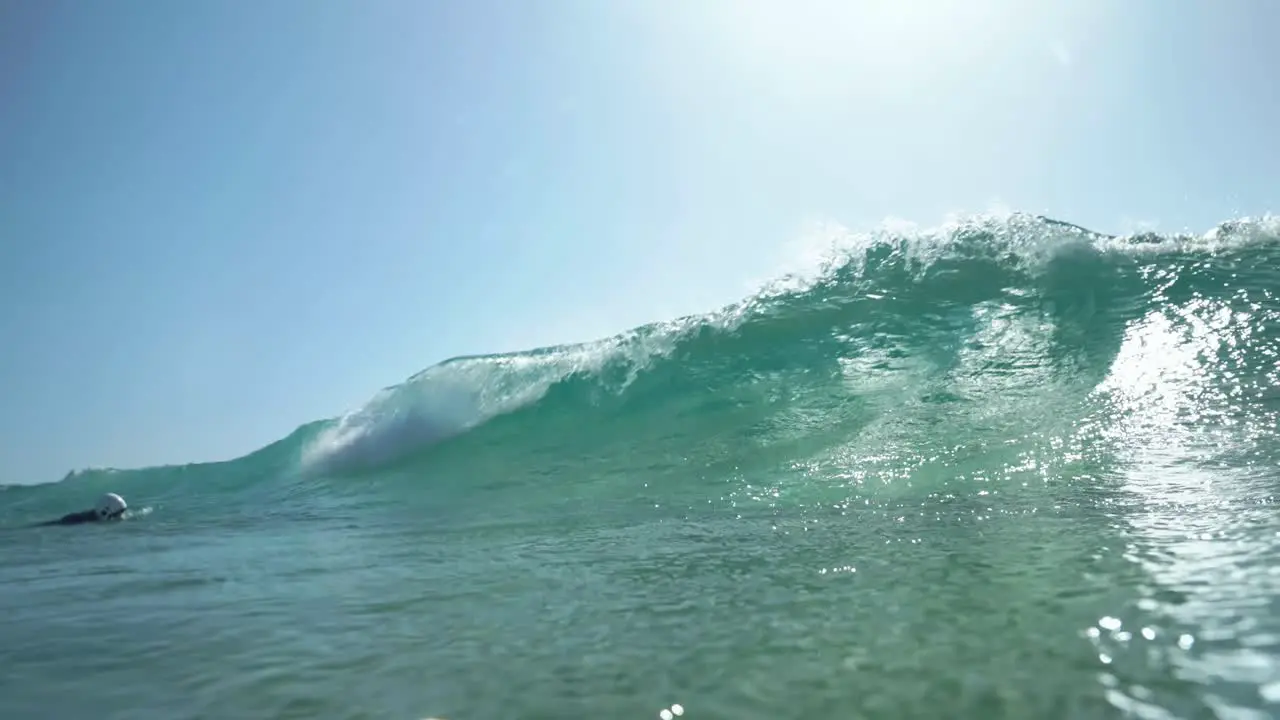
{"type": "Point", "coordinates": [110, 507]}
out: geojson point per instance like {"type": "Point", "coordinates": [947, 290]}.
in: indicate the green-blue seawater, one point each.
{"type": "Point", "coordinates": [1011, 468]}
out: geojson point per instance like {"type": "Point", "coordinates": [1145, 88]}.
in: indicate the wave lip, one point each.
{"type": "Point", "coordinates": [460, 394]}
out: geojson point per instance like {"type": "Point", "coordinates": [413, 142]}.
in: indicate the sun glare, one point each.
{"type": "Point", "coordinates": [868, 44]}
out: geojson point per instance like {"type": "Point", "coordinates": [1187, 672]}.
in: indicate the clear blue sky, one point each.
{"type": "Point", "coordinates": [219, 220]}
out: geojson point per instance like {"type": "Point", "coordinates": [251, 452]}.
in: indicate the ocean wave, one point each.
{"type": "Point", "coordinates": [1067, 273]}
{"type": "Point", "coordinates": [872, 313]}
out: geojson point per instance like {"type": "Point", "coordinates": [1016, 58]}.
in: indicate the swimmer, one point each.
{"type": "Point", "coordinates": [110, 507]}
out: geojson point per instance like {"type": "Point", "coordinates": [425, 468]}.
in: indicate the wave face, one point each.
{"type": "Point", "coordinates": [1005, 421]}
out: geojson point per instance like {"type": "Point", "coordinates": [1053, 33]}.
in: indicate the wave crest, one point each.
{"type": "Point", "coordinates": [1074, 275]}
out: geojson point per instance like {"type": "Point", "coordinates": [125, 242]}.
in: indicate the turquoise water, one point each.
{"type": "Point", "coordinates": [1006, 469]}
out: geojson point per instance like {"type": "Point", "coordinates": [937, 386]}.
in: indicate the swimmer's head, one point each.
{"type": "Point", "coordinates": [110, 507]}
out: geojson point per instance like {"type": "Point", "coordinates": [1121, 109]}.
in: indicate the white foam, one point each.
{"type": "Point", "coordinates": [448, 399]}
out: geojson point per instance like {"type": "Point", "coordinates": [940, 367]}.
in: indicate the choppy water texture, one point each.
{"type": "Point", "coordinates": [1007, 469]}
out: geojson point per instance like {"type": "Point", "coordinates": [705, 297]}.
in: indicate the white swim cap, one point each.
{"type": "Point", "coordinates": [109, 505]}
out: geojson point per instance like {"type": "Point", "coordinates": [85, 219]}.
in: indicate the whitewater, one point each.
{"type": "Point", "coordinates": [1005, 468]}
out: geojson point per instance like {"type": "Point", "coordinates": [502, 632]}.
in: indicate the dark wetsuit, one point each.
{"type": "Point", "coordinates": [76, 518]}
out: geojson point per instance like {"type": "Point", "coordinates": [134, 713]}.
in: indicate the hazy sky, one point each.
{"type": "Point", "coordinates": [219, 220]}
